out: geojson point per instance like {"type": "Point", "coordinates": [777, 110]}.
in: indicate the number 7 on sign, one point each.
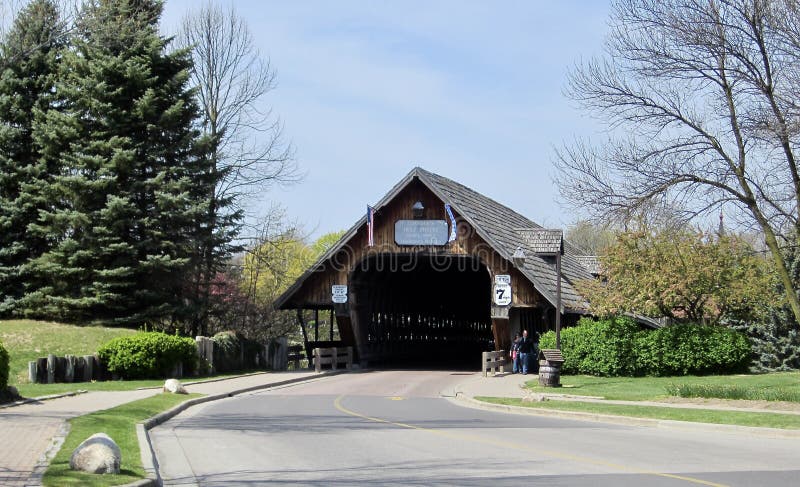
{"type": "Point", "coordinates": [502, 294]}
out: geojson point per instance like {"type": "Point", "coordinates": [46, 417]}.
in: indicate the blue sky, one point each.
{"type": "Point", "coordinates": [470, 90]}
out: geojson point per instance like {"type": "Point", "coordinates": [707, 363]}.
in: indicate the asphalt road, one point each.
{"type": "Point", "coordinates": [392, 428]}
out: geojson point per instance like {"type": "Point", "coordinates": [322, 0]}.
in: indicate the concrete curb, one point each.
{"type": "Point", "coordinates": [44, 461]}
{"type": "Point", "coordinates": [42, 398]}
{"type": "Point", "coordinates": [149, 460]}
{"type": "Point", "coordinates": [463, 400]}
{"type": "Point", "coordinates": [209, 381]}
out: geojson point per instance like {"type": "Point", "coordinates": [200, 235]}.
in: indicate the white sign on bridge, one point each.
{"type": "Point", "coordinates": [502, 279]}
{"type": "Point", "coordinates": [339, 293]}
{"type": "Point", "coordinates": [502, 294]}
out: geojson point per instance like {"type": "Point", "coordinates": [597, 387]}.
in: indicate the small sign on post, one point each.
{"type": "Point", "coordinates": [339, 293]}
{"type": "Point", "coordinates": [502, 279]}
{"type": "Point", "coordinates": [502, 294]}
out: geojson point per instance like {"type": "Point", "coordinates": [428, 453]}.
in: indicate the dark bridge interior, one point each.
{"type": "Point", "coordinates": [423, 310]}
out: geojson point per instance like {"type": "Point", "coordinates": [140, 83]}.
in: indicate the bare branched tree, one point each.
{"type": "Point", "coordinates": [248, 152]}
{"type": "Point", "coordinates": [702, 101]}
{"type": "Point", "coordinates": [233, 80]}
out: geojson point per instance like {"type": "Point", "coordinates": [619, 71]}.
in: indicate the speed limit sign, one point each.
{"type": "Point", "coordinates": [502, 294]}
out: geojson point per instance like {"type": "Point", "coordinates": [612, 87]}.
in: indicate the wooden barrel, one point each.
{"type": "Point", "coordinates": [549, 373]}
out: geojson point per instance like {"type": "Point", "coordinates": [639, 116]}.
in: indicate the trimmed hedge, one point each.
{"type": "Point", "coordinates": [148, 355]}
{"type": "Point", "coordinates": [3, 367]}
{"type": "Point", "coordinates": [617, 347]}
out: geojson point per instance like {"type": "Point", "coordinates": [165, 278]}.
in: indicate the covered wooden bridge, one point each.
{"type": "Point", "coordinates": [434, 274]}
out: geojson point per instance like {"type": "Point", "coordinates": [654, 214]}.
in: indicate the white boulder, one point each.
{"type": "Point", "coordinates": [174, 386]}
{"type": "Point", "coordinates": [97, 454]}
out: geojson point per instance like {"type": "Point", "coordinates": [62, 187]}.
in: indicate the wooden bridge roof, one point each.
{"type": "Point", "coordinates": [502, 228]}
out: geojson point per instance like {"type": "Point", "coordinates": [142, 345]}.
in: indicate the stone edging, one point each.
{"type": "Point", "coordinates": [149, 461]}
{"type": "Point", "coordinates": [463, 400]}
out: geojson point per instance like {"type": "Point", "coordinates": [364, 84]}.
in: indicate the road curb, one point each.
{"type": "Point", "coordinates": [463, 400]}
{"type": "Point", "coordinates": [149, 460]}
{"type": "Point", "coordinates": [210, 381]}
{"type": "Point", "coordinates": [42, 398]}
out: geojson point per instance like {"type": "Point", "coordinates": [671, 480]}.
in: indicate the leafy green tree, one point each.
{"type": "Point", "coordinates": [126, 196]}
{"type": "Point", "coordinates": [589, 237]}
{"type": "Point", "coordinates": [776, 339]}
{"type": "Point", "coordinates": [33, 48]}
{"type": "Point", "coordinates": [702, 99]}
{"type": "Point", "coordinates": [682, 275]}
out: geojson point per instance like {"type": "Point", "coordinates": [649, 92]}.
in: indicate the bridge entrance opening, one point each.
{"type": "Point", "coordinates": [423, 311]}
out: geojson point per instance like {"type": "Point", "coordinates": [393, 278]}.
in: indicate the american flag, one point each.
{"type": "Point", "coordinates": [452, 237]}
{"type": "Point", "coordinates": [370, 225]}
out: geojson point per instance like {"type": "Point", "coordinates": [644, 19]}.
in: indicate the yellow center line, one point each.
{"type": "Point", "coordinates": [520, 446]}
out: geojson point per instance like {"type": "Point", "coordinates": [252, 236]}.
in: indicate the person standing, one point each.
{"type": "Point", "coordinates": [515, 354]}
{"type": "Point", "coordinates": [525, 350]}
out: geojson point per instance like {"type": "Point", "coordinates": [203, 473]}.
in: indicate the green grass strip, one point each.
{"type": "Point", "coordinates": [655, 388]}
{"type": "Point", "coordinates": [120, 424]}
{"type": "Point", "coordinates": [739, 418]}
{"type": "Point", "coordinates": [721, 391]}
{"type": "Point", "coordinates": [37, 390]}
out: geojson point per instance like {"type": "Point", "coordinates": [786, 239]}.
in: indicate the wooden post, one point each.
{"type": "Point", "coordinates": [330, 328]}
{"type": "Point", "coordinates": [349, 358]}
{"type": "Point", "coordinates": [51, 368]}
{"type": "Point", "coordinates": [317, 364]}
{"type": "Point", "coordinates": [335, 356]}
{"type": "Point", "coordinates": [305, 335]}
{"type": "Point", "coordinates": [558, 301]}
{"type": "Point", "coordinates": [316, 325]}
{"type": "Point", "coordinates": [32, 372]}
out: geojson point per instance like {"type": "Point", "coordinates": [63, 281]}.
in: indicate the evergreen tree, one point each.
{"type": "Point", "coordinates": [776, 343]}
{"type": "Point", "coordinates": [127, 193]}
{"type": "Point", "coordinates": [29, 56]}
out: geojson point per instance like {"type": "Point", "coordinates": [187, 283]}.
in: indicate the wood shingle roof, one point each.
{"type": "Point", "coordinates": [502, 228]}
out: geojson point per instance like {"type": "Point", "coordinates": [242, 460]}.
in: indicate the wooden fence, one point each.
{"type": "Point", "coordinates": [333, 356]}
{"type": "Point", "coordinates": [493, 361]}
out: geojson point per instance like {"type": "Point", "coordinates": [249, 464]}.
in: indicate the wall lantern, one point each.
{"type": "Point", "coordinates": [519, 257]}
{"type": "Point", "coordinates": [418, 210]}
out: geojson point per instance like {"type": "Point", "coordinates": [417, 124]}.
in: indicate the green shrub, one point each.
{"type": "Point", "coordinates": [148, 355]}
{"type": "Point", "coordinates": [693, 349]}
{"type": "Point", "coordinates": [227, 352]}
{"type": "Point", "coordinates": [617, 347]}
{"type": "Point", "coordinates": [3, 367]}
{"type": "Point", "coordinates": [603, 348]}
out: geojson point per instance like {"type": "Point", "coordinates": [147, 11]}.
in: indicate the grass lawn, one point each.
{"type": "Point", "coordinates": [28, 340]}
{"type": "Point", "coordinates": [766, 420]}
{"type": "Point", "coordinates": [654, 388]}
{"type": "Point", "coordinates": [37, 390]}
{"type": "Point", "coordinates": [120, 424]}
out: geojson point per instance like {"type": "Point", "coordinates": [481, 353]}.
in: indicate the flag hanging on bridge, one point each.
{"type": "Point", "coordinates": [370, 225]}
{"type": "Point", "coordinates": [449, 211]}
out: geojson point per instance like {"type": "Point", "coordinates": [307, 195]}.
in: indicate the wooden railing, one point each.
{"type": "Point", "coordinates": [333, 356]}
{"type": "Point", "coordinates": [296, 355]}
{"type": "Point", "coordinates": [493, 361]}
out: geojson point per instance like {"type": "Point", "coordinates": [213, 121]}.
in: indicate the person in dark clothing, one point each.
{"type": "Point", "coordinates": [525, 350]}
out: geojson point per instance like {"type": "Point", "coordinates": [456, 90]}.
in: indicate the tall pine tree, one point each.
{"type": "Point", "coordinates": [126, 199]}
{"type": "Point", "coordinates": [29, 57]}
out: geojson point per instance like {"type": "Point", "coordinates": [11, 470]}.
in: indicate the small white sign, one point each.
{"type": "Point", "coordinates": [502, 279]}
{"type": "Point", "coordinates": [502, 294]}
{"type": "Point", "coordinates": [339, 293]}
